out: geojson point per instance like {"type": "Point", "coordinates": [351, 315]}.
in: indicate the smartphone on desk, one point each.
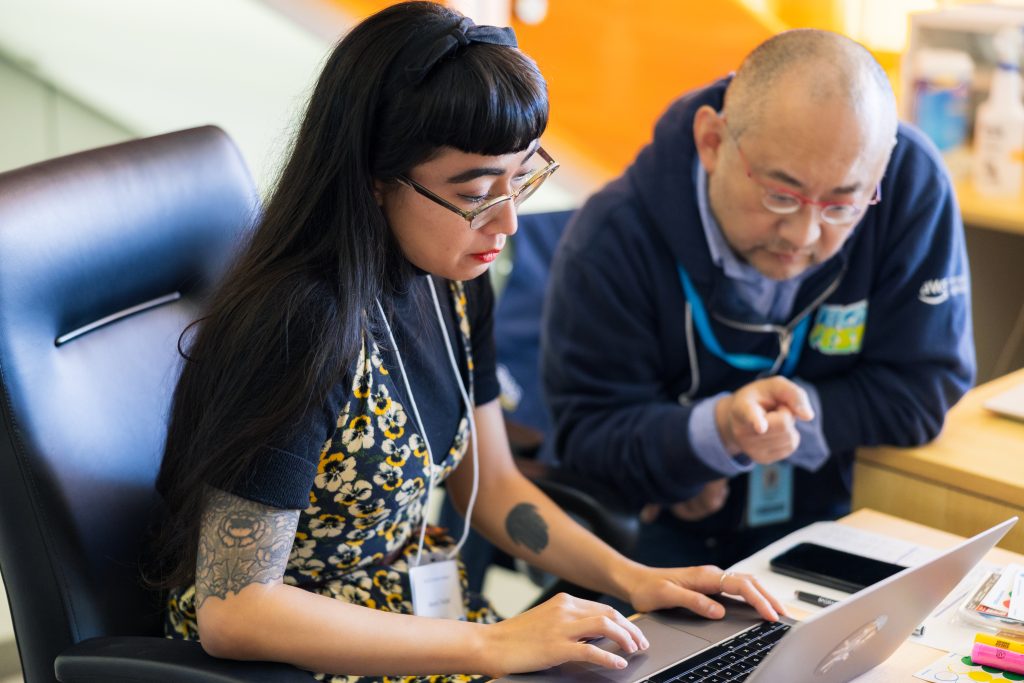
{"type": "Point", "coordinates": [830, 567]}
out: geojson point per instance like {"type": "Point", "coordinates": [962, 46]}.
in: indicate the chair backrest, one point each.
{"type": "Point", "coordinates": [104, 259]}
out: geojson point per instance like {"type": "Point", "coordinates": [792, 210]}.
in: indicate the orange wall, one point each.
{"type": "Point", "coordinates": [613, 66]}
{"type": "Point", "coordinates": [612, 72]}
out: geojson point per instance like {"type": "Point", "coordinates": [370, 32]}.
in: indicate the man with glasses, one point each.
{"type": "Point", "coordinates": [754, 299]}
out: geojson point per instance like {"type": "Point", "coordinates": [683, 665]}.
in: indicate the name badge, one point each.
{"type": "Point", "coordinates": [770, 494]}
{"type": "Point", "coordinates": [436, 591]}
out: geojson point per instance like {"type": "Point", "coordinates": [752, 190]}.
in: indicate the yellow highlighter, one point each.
{"type": "Point", "coordinates": [1014, 642]}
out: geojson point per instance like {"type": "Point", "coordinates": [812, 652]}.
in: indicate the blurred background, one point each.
{"type": "Point", "coordinates": [76, 74]}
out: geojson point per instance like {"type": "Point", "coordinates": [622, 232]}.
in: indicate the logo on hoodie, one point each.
{"type": "Point", "coordinates": [940, 289]}
{"type": "Point", "coordinates": [839, 329]}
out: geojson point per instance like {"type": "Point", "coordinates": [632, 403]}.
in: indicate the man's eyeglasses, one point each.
{"type": "Point", "coordinates": [781, 201]}
{"type": "Point", "coordinates": [482, 215]}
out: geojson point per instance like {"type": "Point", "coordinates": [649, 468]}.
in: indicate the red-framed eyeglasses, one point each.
{"type": "Point", "coordinates": [782, 201]}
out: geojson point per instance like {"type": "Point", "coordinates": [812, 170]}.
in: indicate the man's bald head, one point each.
{"type": "Point", "coordinates": [813, 68]}
{"type": "Point", "coordinates": [810, 115]}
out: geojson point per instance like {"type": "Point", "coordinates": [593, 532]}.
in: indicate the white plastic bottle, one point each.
{"type": "Point", "coordinates": [999, 123]}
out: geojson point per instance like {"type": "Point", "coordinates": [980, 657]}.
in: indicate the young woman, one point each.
{"type": "Point", "coordinates": [346, 366]}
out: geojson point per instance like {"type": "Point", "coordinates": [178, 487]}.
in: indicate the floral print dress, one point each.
{"type": "Point", "coordinates": [358, 537]}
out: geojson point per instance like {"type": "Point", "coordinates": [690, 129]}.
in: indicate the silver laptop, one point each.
{"type": "Point", "coordinates": [1008, 403]}
{"type": "Point", "coordinates": [837, 644]}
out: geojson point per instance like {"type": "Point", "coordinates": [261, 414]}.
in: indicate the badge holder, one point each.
{"type": "Point", "coordinates": [436, 590]}
{"type": "Point", "coordinates": [770, 494]}
{"type": "Point", "coordinates": [434, 578]}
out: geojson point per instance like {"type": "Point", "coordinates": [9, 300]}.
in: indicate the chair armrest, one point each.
{"type": "Point", "coordinates": [131, 659]}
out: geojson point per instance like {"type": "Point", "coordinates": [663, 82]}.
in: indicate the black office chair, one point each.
{"type": "Point", "coordinates": [104, 257]}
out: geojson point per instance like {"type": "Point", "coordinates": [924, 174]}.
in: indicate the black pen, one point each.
{"type": "Point", "coordinates": [819, 600]}
{"type": "Point", "coordinates": [822, 601]}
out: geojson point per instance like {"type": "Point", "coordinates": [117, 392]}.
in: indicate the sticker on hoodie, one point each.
{"type": "Point", "coordinates": [839, 329]}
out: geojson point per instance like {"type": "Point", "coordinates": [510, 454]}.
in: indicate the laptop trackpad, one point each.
{"type": "Point", "coordinates": [668, 646]}
{"type": "Point", "coordinates": [739, 616]}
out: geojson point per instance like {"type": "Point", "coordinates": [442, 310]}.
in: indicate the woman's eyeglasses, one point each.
{"type": "Point", "coordinates": [482, 215]}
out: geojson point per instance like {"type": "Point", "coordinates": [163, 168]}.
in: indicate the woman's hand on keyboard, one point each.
{"type": "Point", "coordinates": [557, 631]}
{"type": "Point", "coordinates": [653, 588]}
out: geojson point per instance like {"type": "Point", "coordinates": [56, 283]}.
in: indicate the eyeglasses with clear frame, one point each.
{"type": "Point", "coordinates": [781, 201]}
{"type": "Point", "coordinates": [482, 215]}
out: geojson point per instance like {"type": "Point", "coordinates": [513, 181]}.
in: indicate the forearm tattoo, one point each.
{"type": "Point", "coordinates": [526, 527]}
{"type": "Point", "coordinates": [241, 542]}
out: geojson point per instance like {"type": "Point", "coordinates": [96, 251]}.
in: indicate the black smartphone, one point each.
{"type": "Point", "coordinates": [833, 568]}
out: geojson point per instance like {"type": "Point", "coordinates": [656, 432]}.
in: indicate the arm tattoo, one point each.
{"type": "Point", "coordinates": [526, 527]}
{"type": "Point", "coordinates": [241, 542]}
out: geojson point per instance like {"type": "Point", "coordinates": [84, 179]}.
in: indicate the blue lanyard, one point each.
{"type": "Point", "coordinates": [740, 361]}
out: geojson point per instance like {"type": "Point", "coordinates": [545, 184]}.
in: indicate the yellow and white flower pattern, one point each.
{"type": "Point", "coordinates": [359, 534]}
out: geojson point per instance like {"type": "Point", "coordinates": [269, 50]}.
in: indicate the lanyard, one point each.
{"type": "Point", "coordinates": [790, 347]}
{"type": "Point", "coordinates": [419, 424]}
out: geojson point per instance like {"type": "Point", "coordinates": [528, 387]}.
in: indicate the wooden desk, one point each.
{"type": "Point", "coordinates": [968, 479]}
{"type": "Point", "coordinates": [997, 213]}
{"type": "Point", "coordinates": [912, 657]}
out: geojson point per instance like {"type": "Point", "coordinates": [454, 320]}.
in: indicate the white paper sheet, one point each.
{"type": "Point", "coordinates": [833, 535]}
{"type": "Point", "coordinates": [1016, 610]}
{"type": "Point", "coordinates": [943, 630]}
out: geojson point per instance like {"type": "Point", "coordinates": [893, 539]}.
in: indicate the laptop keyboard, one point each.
{"type": "Point", "coordinates": [730, 660]}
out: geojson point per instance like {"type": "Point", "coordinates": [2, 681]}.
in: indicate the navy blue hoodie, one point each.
{"type": "Point", "coordinates": [615, 353]}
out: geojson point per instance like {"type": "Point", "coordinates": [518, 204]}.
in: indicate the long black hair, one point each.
{"type": "Point", "coordinates": [287, 320]}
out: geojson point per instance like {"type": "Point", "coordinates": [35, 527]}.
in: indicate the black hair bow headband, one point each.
{"type": "Point", "coordinates": [424, 54]}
